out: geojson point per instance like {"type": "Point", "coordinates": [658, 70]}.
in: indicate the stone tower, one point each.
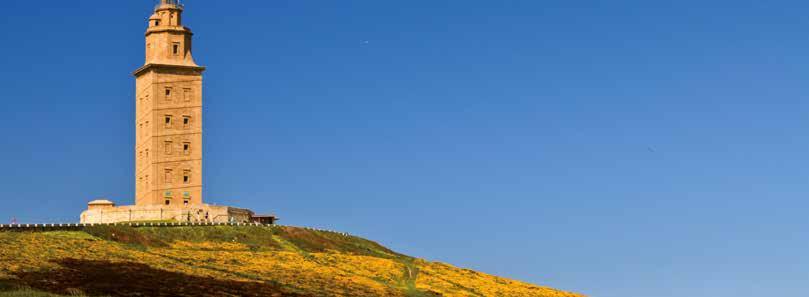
{"type": "Point", "coordinates": [168, 135]}
{"type": "Point", "coordinates": [168, 122]}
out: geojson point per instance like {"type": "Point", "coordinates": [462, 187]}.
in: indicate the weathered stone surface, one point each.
{"type": "Point", "coordinates": [168, 146]}
{"type": "Point", "coordinates": [194, 213]}
{"type": "Point", "coordinates": [168, 133]}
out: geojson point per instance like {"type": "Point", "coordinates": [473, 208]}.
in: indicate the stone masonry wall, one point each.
{"type": "Point", "coordinates": [196, 213]}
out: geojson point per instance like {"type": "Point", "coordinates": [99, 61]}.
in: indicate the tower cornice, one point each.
{"type": "Point", "coordinates": [177, 29]}
{"type": "Point", "coordinates": [152, 66]}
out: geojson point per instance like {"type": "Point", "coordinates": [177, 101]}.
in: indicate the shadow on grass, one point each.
{"type": "Point", "coordinates": [101, 278]}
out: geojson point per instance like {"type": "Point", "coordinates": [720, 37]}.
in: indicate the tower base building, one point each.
{"type": "Point", "coordinates": [105, 212]}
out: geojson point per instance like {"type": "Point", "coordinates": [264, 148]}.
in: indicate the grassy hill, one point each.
{"type": "Point", "coordinates": [229, 261]}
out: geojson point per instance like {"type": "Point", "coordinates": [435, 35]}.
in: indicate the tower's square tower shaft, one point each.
{"type": "Point", "coordinates": [168, 121]}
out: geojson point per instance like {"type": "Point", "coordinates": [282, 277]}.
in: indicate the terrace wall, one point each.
{"type": "Point", "coordinates": [195, 213]}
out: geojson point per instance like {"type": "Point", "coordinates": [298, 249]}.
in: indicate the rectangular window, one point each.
{"type": "Point", "coordinates": [186, 122]}
{"type": "Point", "coordinates": [168, 94]}
{"type": "Point", "coordinates": [187, 176]}
{"type": "Point", "coordinates": [187, 94]}
{"type": "Point", "coordinates": [186, 148]}
{"type": "Point", "coordinates": [168, 121]}
{"type": "Point", "coordinates": [168, 147]}
{"type": "Point", "coordinates": [168, 177]}
{"type": "Point", "coordinates": [168, 201]}
{"type": "Point", "coordinates": [175, 48]}
{"type": "Point", "coordinates": [185, 201]}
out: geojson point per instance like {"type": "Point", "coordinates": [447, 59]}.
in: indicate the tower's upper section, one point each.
{"type": "Point", "coordinates": [167, 13]}
{"type": "Point", "coordinates": [174, 3]}
{"type": "Point", "coordinates": [168, 42]}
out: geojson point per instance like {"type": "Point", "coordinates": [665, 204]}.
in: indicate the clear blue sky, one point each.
{"type": "Point", "coordinates": [614, 148]}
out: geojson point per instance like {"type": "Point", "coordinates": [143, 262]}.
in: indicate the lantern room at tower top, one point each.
{"type": "Point", "coordinates": [174, 3]}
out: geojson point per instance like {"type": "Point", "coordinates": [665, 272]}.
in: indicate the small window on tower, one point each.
{"type": "Point", "coordinates": [186, 122]}
{"type": "Point", "coordinates": [157, 23]}
{"type": "Point", "coordinates": [168, 94]}
{"type": "Point", "coordinates": [186, 148]}
{"type": "Point", "coordinates": [168, 201]}
{"type": "Point", "coordinates": [175, 48]}
{"type": "Point", "coordinates": [186, 176]}
{"type": "Point", "coordinates": [168, 121]}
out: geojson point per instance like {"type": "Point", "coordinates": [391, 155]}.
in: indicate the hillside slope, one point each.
{"type": "Point", "coordinates": [230, 261]}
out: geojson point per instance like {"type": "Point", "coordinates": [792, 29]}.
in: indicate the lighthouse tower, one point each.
{"type": "Point", "coordinates": [168, 121]}
{"type": "Point", "coordinates": [168, 134]}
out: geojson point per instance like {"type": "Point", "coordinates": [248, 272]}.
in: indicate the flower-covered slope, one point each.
{"type": "Point", "coordinates": [230, 261]}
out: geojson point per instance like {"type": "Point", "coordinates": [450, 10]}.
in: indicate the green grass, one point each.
{"type": "Point", "coordinates": [8, 289]}
{"type": "Point", "coordinates": [12, 290]}
{"type": "Point", "coordinates": [258, 238]}
{"type": "Point", "coordinates": [27, 293]}
{"type": "Point", "coordinates": [70, 235]}
{"type": "Point", "coordinates": [253, 236]}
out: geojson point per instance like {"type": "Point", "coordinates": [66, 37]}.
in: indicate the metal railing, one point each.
{"type": "Point", "coordinates": [176, 3]}
{"type": "Point", "coordinates": [79, 226]}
